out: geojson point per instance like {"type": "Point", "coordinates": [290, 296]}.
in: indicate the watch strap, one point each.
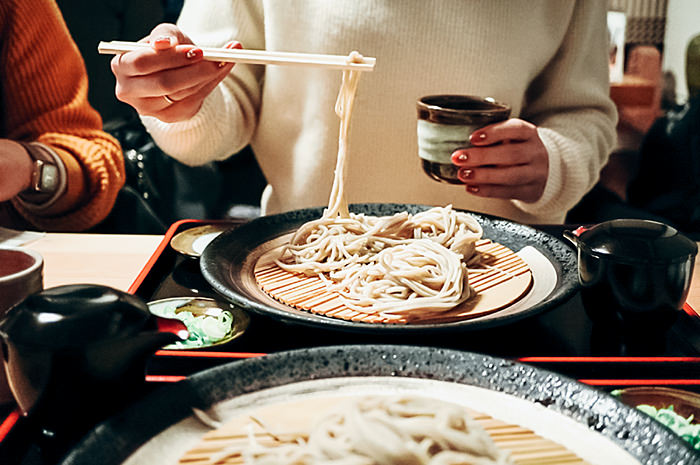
{"type": "Point", "coordinates": [48, 177]}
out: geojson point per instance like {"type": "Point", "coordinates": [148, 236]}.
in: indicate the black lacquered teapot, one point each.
{"type": "Point", "coordinates": [639, 270]}
{"type": "Point", "coordinates": [76, 354]}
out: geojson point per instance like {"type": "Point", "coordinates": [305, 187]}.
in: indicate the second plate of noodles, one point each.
{"type": "Point", "coordinates": [436, 402]}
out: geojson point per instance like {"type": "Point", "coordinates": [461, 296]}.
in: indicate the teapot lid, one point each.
{"type": "Point", "coordinates": [637, 241]}
{"type": "Point", "coordinates": [75, 315]}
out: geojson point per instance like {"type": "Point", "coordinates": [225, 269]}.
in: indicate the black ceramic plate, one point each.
{"type": "Point", "coordinates": [593, 413]}
{"type": "Point", "coordinates": [228, 262]}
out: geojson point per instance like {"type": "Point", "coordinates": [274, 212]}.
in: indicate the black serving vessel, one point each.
{"type": "Point", "coordinates": [74, 355]}
{"type": "Point", "coordinates": [634, 274]}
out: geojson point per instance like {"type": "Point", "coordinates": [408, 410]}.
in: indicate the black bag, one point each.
{"type": "Point", "coordinates": [158, 190]}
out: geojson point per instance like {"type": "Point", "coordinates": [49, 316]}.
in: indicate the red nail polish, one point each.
{"type": "Point", "coordinates": [473, 189]}
{"type": "Point", "coordinates": [463, 157]}
{"type": "Point", "coordinates": [479, 136]}
{"type": "Point", "coordinates": [466, 174]}
{"type": "Point", "coordinates": [194, 52]}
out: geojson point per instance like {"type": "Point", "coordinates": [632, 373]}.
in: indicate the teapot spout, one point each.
{"type": "Point", "coordinates": [573, 236]}
{"type": "Point", "coordinates": [125, 357]}
{"type": "Point", "coordinates": [172, 325]}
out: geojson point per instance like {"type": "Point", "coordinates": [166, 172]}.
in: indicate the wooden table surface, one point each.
{"type": "Point", "coordinates": [109, 259]}
{"type": "Point", "coordinates": [117, 260]}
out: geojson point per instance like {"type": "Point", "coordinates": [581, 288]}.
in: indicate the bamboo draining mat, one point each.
{"type": "Point", "coordinates": [525, 446]}
{"type": "Point", "coordinates": [505, 280]}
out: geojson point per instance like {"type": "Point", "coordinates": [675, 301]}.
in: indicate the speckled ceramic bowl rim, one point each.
{"type": "Point", "coordinates": [645, 439]}
{"type": "Point", "coordinates": [248, 236]}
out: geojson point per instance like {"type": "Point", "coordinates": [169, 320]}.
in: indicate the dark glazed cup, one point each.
{"type": "Point", "coordinates": [445, 123]}
{"type": "Point", "coordinates": [21, 274]}
{"type": "Point", "coordinates": [635, 271]}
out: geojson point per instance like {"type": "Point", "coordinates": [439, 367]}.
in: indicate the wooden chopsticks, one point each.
{"type": "Point", "coordinates": [261, 57]}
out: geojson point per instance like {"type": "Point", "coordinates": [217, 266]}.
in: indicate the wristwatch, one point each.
{"type": "Point", "coordinates": [46, 175]}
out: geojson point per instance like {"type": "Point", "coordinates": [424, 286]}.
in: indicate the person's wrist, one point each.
{"type": "Point", "coordinates": [26, 170]}
{"type": "Point", "coordinates": [15, 169]}
{"type": "Point", "coordinates": [47, 177]}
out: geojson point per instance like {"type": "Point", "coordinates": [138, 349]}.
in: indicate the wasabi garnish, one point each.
{"type": "Point", "coordinates": [206, 324]}
{"type": "Point", "coordinates": [204, 329]}
{"type": "Point", "coordinates": [683, 427]}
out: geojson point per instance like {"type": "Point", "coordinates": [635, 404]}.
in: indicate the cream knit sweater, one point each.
{"type": "Point", "coordinates": [546, 58]}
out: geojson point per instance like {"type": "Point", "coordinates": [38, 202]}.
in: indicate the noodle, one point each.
{"type": "Point", "coordinates": [418, 275]}
{"type": "Point", "coordinates": [379, 430]}
{"type": "Point", "coordinates": [337, 205]}
{"type": "Point", "coordinates": [389, 265]}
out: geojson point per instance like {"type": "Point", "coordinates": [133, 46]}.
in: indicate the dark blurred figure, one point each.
{"type": "Point", "coordinates": [668, 181]}
{"type": "Point", "coordinates": [665, 182]}
{"type": "Point", "coordinates": [669, 101]}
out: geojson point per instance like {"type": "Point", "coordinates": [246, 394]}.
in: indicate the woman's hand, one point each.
{"type": "Point", "coordinates": [15, 169]}
{"type": "Point", "coordinates": [170, 80]}
{"type": "Point", "coordinates": [508, 160]}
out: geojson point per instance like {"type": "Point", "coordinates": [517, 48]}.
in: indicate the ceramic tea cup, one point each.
{"type": "Point", "coordinates": [21, 274]}
{"type": "Point", "coordinates": [445, 123]}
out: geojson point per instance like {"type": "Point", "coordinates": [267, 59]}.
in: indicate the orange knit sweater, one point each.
{"type": "Point", "coordinates": [44, 99]}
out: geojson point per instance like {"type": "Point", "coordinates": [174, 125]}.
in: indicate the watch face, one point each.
{"type": "Point", "coordinates": [48, 182]}
{"type": "Point", "coordinates": [45, 177]}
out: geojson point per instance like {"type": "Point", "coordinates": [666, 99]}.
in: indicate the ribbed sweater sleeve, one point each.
{"type": "Point", "coordinates": [44, 97]}
{"type": "Point", "coordinates": [227, 119]}
{"type": "Point", "coordinates": [570, 104]}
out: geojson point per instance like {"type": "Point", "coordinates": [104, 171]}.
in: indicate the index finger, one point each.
{"type": "Point", "coordinates": [149, 61]}
{"type": "Point", "coordinates": [513, 129]}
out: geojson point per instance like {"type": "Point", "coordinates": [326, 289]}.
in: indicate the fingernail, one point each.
{"type": "Point", "coordinates": [162, 40]}
{"type": "Point", "coordinates": [194, 52]}
{"type": "Point", "coordinates": [466, 174]}
{"type": "Point", "coordinates": [463, 157]}
{"type": "Point", "coordinates": [231, 44]}
{"type": "Point", "coordinates": [479, 135]}
{"type": "Point", "coordinates": [473, 189]}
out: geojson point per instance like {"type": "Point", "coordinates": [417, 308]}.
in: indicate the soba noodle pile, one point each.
{"type": "Point", "coordinates": [380, 431]}
{"type": "Point", "coordinates": [390, 264]}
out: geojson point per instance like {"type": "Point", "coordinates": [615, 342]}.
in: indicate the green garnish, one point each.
{"type": "Point", "coordinates": [683, 427]}
{"type": "Point", "coordinates": [203, 329]}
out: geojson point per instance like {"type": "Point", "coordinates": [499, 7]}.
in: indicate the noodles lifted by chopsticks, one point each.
{"type": "Point", "coordinates": [381, 430]}
{"type": "Point", "coordinates": [392, 264]}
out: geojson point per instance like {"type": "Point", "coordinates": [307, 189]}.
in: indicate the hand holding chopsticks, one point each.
{"type": "Point", "coordinates": [264, 57]}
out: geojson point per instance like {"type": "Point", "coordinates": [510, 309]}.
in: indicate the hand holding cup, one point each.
{"type": "Point", "coordinates": [464, 139]}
